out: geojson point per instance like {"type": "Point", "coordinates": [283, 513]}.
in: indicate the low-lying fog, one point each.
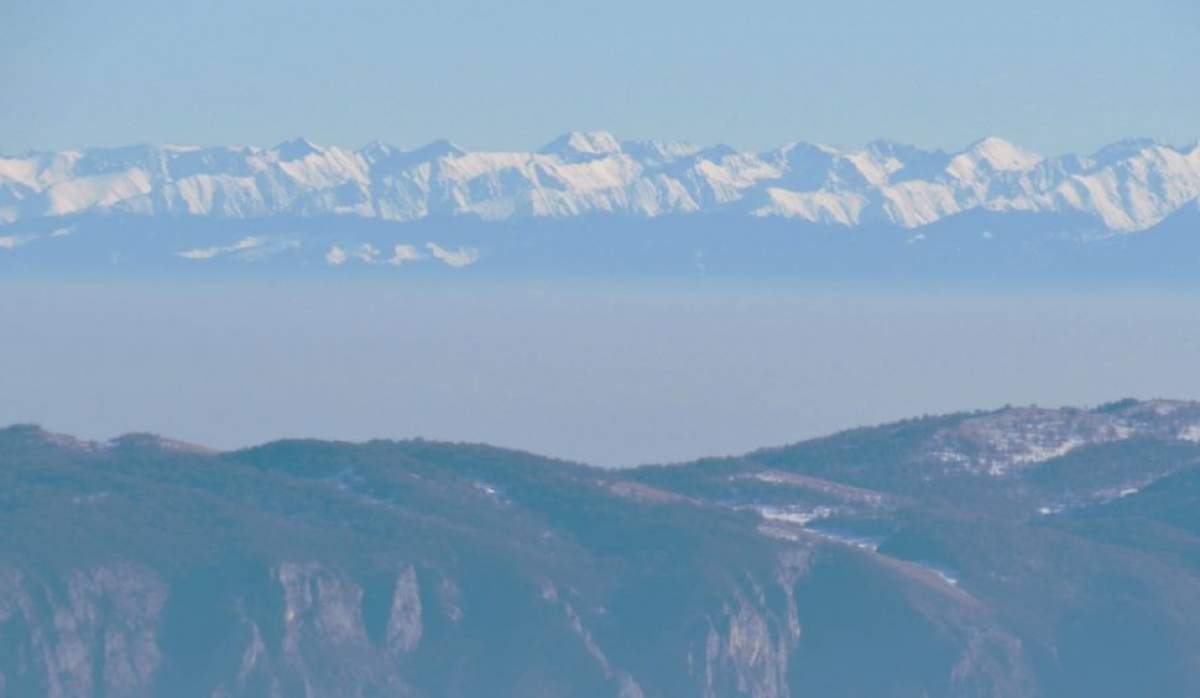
{"type": "Point", "coordinates": [611, 376]}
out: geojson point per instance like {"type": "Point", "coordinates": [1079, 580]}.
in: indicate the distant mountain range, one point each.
{"type": "Point", "coordinates": [590, 203]}
{"type": "Point", "coordinates": [1012, 553]}
{"type": "Point", "coordinates": [1128, 186]}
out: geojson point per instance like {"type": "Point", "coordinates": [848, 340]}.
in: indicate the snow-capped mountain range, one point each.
{"type": "Point", "coordinates": [1125, 187]}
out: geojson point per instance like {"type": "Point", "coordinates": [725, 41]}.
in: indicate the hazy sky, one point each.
{"type": "Point", "coordinates": [1057, 76]}
{"type": "Point", "coordinates": [613, 377]}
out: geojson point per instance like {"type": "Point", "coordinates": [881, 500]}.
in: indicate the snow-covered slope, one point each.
{"type": "Point", "coordinates": [1010, 439]}
{"type": "Point", "coordinates": [1127, 186]}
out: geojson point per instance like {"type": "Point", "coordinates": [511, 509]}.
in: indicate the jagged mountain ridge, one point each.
{"type": "Point", "coordinates": [1017, 552]}
{"type": "Point", "coordinates": [1127, 186]}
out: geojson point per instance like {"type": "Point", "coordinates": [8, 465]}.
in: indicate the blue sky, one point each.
{"type": "Point", "coordinates": [1055, 76]}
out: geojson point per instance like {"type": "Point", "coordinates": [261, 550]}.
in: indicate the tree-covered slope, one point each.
{"type": "Point", "coordinates": [1017, 552]}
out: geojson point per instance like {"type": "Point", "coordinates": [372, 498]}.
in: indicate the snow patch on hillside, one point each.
{"type": "Point", "coordinates": [1013, 438]}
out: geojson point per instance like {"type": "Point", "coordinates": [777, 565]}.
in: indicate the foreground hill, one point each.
{"type": "Point", "coordinates": [1021, 552]}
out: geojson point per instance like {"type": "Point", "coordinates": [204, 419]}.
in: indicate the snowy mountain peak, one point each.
{"type": "Point", "coordinates": [1125, 187]}
{"type": "Point", "coordinates": [585, 143]}
{"type": "Point", "coordinates": [1124, 149]}
{"type": "Point", "coordinates": [887, 148]}
{"type": "Point", "coordinates": [296, 149]}
{"type": "Point", "coordinates": [659, 152]}
{"type": "Point", "coordinates": [442, 147]}
{"type": "Point", "coordinates": [377, 150]}
{"type": "Point", "coordinates": [1001, 155]}
{"type": "Point", "coordinates": [383, 158]}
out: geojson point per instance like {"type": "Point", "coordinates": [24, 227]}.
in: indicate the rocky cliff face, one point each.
{"type": "Point", "coordinates": [110, 632]}
{"type": "Point", "coordinates": [94, 635]}
{"type": "Point", "coordinates": [866, 563]}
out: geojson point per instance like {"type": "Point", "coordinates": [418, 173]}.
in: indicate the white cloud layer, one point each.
{"type": "Point", "coordinates": [405, 253]}
{"type": "Point", "coordinates": [202, 253]}
{"type": "Point", "coordinates": [402, 253]}
{"type": "Point", "coordinates": [463, 257]}
{"type": "Point", "coordinates": [336, 256]}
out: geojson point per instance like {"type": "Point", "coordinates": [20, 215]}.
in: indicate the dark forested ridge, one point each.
{"type": "Point", "coordinates": [1020, 552]}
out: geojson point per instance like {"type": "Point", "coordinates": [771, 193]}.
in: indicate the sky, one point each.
{"type": "Point", "coordinates": [609, 376]}
{"type": "Point", "coordinates": [1055, 76]}
{"type": "Point", "coordinates": [615, 376]}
